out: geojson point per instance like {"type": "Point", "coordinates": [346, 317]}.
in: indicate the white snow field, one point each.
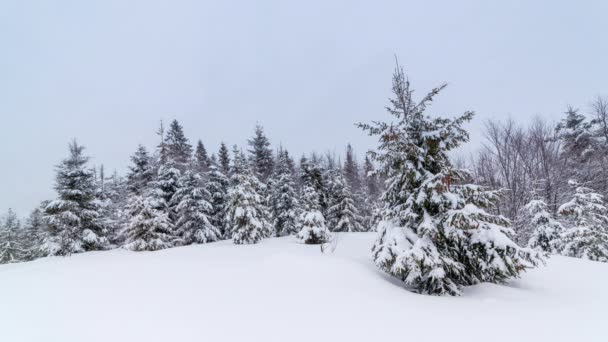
{"type": "Point", "coordinates": [280, 290]}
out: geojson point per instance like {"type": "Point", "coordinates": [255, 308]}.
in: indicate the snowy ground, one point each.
{"type": "Point", "coordinates": [283, 291]}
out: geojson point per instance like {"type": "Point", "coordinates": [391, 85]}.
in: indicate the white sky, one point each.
{"type": "Point", "coordinates": [105, 72]}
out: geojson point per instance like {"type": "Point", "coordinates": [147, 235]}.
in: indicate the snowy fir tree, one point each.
{"type": "Point", "coordinates": [435, 234]}
{"type": "Point", "coordinates": [312, 174]}
{"type": "Point", "coordinates": [262, 159]}
{"type": "Point", "coordinates": [311, 223]}
{"type": "Point", "coordinates": [110, 199]}
{"type": "Point", "coordinates": [343, 216]}
{"type": "Point", "coordinates": [217, 190]}
{"type": "Point", "coordinates": [284, 205]}
{"type": "Point", "coordinates": [177, 146]}
{"type": "Point", "coordinates": [11, 240]}
{"type": "Point", "coordinates": [148, 229]}
{"type": "Point", "coordinates": [224, 159]}
{"type": "Point", "coordinates": [165, 186]}
{"type": "Point", "coordinates": [201, 159]}
{"type": "Point", "coordinates": [351, 170]}
{"type": "Point", "coordinates": [193, 211]}
{"type": "Point", "coordinates": [141, 172]}
{"type": "Point", "coordinates": [546, 231]}
{"type": "Point", "coordinates": [73, 218]}
{"type": "Point", "coordinates": [245, 213]}
{"type": "Point", "coordinates": [34, 230]}
{"type": "Point", "coordinates": [588, 236]}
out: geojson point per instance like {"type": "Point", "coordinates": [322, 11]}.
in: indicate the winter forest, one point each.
{"type": "Point", "coordinates": [444, 220]}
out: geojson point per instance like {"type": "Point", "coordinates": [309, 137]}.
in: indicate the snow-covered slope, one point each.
{"type": "Point", "coordinates": [280, 290]}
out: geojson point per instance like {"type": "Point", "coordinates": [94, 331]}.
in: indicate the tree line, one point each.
{"type": "Point", "coordinates": [178, 195]}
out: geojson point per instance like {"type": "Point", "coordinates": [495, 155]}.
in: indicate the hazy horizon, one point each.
{"type": "Point", "coordinates": [106, 72]}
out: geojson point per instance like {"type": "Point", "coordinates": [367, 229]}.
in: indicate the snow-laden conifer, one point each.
{"type": "Point", "coordinates": [141, 172]}
{"type": "Point", "coordinates": [436, 233]}
{"type": "Point", "coordinates": [245, 212]}
{"type": "Point", "coordinates": [193, 210]}
{"type": "Point", "coordinates": [148, 228]}
{"type": "Point", "coordinates": [12, 247]}
{"type": "Point", "coordinates": [73, 218]}
{"type": "Point", "coordinates": [284, 204]}
{"type": "Point", "coordinates": [311, 222]}
{"type": "Point", "coordinates": [587, 238]}
{"type": "Point", "coordinates": [178, 149]}
{"type": "Point", "coordinates": [344, 215]}
{"type": "Point", "coordinates": [262, 159]}
{"type": "Point", "coordinates": [217, 188]}
{"type": "Point", "coordinates": [546, 231]}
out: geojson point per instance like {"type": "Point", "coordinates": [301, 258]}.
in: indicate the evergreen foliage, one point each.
{"type": "Point", "coordinates": [262, 159]}
{"type": "Point", "coordinates": [546, 231]}
{"type": "Point", "coordinates": [311, 221]}
{"type": "Point", "coordinates": [245, 213]}
{"type": "Point", "coordinates": [343, 215]}
{"type": "Point", "coordinates": [177, 146]}
{"type": "Point", "coordinates": [283, 200]}
{"type": "Point", "coordinates": [588, 236]}
{"type": "Point", "coordinates": [217, 188]}
{"type": "Point", "coordinates": [436, 234]}
{"type": "Point", "coordinates": [141, 172]}
{"type": "Point", "coordinates": [11, 241]}
{"type": "Point", "coordinates": [193, 210]}
{"type": "Point", "coordinates": [74, 217]}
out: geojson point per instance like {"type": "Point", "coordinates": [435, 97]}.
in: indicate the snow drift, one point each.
{"type": "Point", "coordinates": [280, 290]}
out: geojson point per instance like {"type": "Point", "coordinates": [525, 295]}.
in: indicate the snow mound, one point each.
{"type": "Point", "coordinates": [280, 290]}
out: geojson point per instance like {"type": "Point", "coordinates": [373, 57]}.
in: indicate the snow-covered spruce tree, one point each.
{"type": "Point", "coordinates": [224, 159]}
{"type": "Point", "coordinates": [165, 186]}
{"type": "Point", "coordinates": [311, 174]}
{"type": "Point", "coordinates": [284, 205]}
{"type": "Point", "coordinates": [311, 222]}
{"type": "Point", "coordinates": [193, 210]}
{"type": "Point", "coordinates": [73, 218]}
{"type": "Point", "coordinates": [343, 212]}
{"type": "Point", "coordinates": [11, 240]}
{"type": "Point", "coordinates": [178, 148]}
{"type": "Point", "coordinates": [435, 234]}
{"type": "Point", "coordinates": [110, 197]}
{"type": "Point", "coordinates": [546, 231]}
{"type": "Point", "coordinates": [148, 229]}
{"type": "Point", "coordinates": [201, 159]}
{"type": "Point", "coordinates": [588, 237]}
{"type": "Point", "coordinates": [262, 159]}
{"type": "Point", "coordinates": [245, 216]}
{"type": "Point", "coordinates": [141, 173]}
{"type": "Point", "coordinates": [351, 170]}
{"type": "Point", "coordinates": [217, 188]}
{"type": "Point", "coordinates": [34, 230]}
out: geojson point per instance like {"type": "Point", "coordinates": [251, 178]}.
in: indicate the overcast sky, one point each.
{"type": "Point", "coordinates": [105, 72]}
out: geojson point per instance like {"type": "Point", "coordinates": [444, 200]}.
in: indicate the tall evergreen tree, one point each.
{"type": "Point", "coordinates": [261, 155]}
{"type": "Point", "coordinates": [371, 180]}
{"type": "Point", "coordinates": [312, 175]}
{"type": "Point", "coordinates": [244, 210]}
{"type": "Point", "coordinates": [343, 215]}
{"type": "Point", "coordinates": [193, 211]}
{"type": "Point", "coordinates": [224, 159]}
{"type": "Point", "coordinates": [311, 222]}
{"type": "Point", "coordinates": [588, 236]}
{"type": "Point", "coordinates": [11, 242]}
{"type": "Point", "coordinates": [546, 231]}
{"type": "Point", "coordinates": [351, 170]}
{"type": "Point", "coordinates": [73, 217]}
{"type": "Point", "coordinates": [284, 205]}
{"type": "Point", "coordinates": [141, 172]}
{"type": "Point", "coordinates": [148, 228]}
{"type": "Point", "coordinates": [178, 148]}
{"type": "Point", "coordinates": [435, 235]}
{"type": "Point", "coordinates": [217, 188]}
{"type": "Point", "coordinates": [35, 227]}
{"type": "Point", "coordinates": [201, 158]}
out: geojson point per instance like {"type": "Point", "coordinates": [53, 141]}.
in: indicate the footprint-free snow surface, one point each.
{"type": "Point", "coordinates": [280, 290]}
